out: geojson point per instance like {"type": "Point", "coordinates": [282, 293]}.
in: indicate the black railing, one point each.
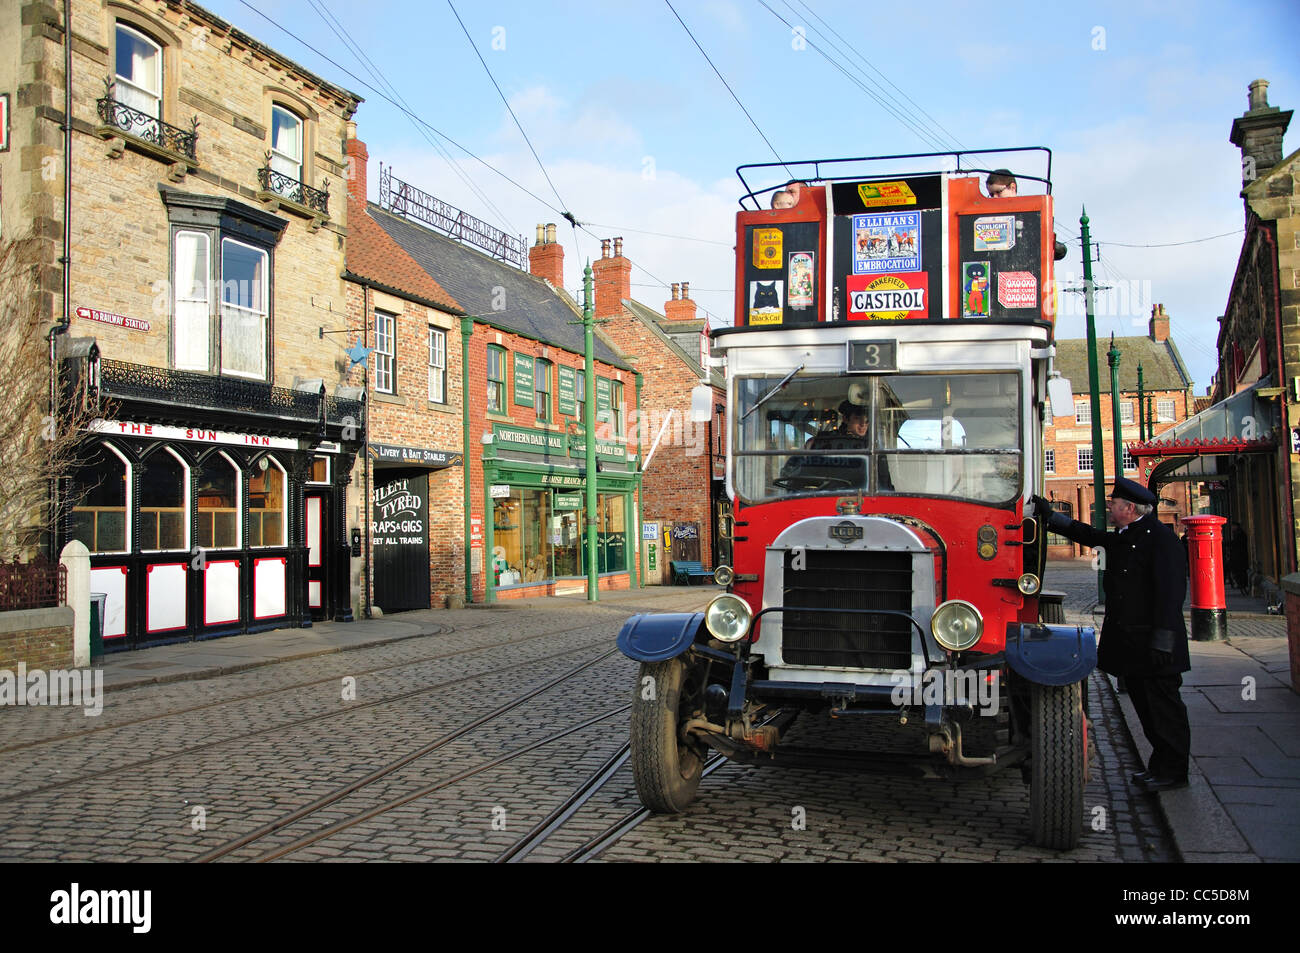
{"type": "Point", "coordinates": [187, 389]}
{"type": "Point", "coordinates": [295, 191]}
{"type": "Point", "coordinates": [150, 129]}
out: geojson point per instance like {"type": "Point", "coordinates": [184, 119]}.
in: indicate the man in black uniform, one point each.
{"type": "Point", "coordinates": [1144, 638]}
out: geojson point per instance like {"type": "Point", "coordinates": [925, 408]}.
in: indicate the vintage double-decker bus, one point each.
{"type": "Point", "coordinates": [886, 373]}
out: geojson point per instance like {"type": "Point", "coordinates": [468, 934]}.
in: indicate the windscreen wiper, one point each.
{"type": "Point", "coordinates": [773, 392]}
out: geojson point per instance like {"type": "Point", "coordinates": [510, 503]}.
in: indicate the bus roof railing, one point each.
{"type": "Point", "coordinates": [816, 165]}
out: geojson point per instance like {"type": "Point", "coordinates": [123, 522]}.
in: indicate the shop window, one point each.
{"type": "Point", "coordinates": [385, 352]}
{"type": "Point", "coordinates": [521, 533]}
{"type": "Point", "coordinates": [437, 366]}
{"type": "Point", "coordinates": [266, 504]}
{"type": "Point", "coordinates": [221, 285]}
{"type": "Point", "coordinates": [100, 518]}
{"type": "Point", "coordinates": [496, 380]}
{"type": "Point", "coordinates": [542, 390]}
{"type": "Point", "coordinates": [286, 148]}
{"type": "Point", "coordinates": [216, 504]}
{"type": "Point", "coordinates": [164, 503]}
{"type": "Point", "coordinates": [137, 81]}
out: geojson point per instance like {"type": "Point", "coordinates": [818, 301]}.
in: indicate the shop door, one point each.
{"type": "Point", "coordinates": [686, 542]}
{"type": "Point", "coordinates": [316, 510]}
{"type": "Point", "coordinates": [400, 535]}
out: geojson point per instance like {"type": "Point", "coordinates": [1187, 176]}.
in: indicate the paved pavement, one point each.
{"type": "Point", "coordinates": [1243, 800]}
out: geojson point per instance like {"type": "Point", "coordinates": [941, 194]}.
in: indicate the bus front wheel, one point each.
{"type": "Point", "coordinates": [666, 764]}
{"type": "Point", "coordinates": [1058, 765]}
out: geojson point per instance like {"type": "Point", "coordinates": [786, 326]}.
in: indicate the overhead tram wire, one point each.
{"type": "Point", "coordinates": [373, 69]}
{"type": "Point", "coordinates": [927, 137]}
{"type": "Point", "coordinates": [505, 101]}
{"type": "Point", "coordinates": [844, 48]}
{"type": "Point", "coordinates": [389, 99]}
{"type": "Point", "coordinates": [729, 89]}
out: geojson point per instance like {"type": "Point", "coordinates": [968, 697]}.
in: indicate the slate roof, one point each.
{"type": "Point", "coordinates": [532, 307]}
{"type": "Point", "coordinates": [656, 322]}
{"type": "Point", "coordinates": [1162, 366]}
{"type": "Point", "coordinates": [374, 256]}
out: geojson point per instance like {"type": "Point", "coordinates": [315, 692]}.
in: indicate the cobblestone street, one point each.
{"type": "Point", "coordinates": [184, 769]}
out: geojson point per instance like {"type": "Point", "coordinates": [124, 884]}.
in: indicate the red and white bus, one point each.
{"type": "Point", "coordinates": [887, 374]}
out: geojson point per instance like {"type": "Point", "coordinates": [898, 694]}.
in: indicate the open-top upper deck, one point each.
{"type": "Point", "coordinates": [865, 243]}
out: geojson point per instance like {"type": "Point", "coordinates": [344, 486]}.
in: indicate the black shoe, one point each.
{"type": "Point", "coordinates": [1142, 777]}
{"type": "Point", "coordinates": [1155, 783]}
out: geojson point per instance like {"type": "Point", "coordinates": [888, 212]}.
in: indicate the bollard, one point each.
{"type": "Point", "coordinates": [1205, 567]}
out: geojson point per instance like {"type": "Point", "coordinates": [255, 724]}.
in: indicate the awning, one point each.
{"type": "Point", "coordinates": [1246, 422]}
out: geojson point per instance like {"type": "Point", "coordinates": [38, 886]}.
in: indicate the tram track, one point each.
{"type": "Point", "coordinates": [393, 766]}
{"type": "Point", "coordinates": [352, 708]}
{"type": "Point", "coordinates": [253, 696]}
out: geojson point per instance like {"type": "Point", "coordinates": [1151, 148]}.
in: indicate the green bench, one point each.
{"type": "Point", "coordinates": [685, 571]}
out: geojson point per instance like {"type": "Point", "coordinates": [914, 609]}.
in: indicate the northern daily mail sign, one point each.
{"type": "Point", "coordinates": [128, 428]}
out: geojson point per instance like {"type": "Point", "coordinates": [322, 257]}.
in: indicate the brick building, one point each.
{"type": "Point", "coordinates": [520, 435]}
{"type": "Point", "coordinates": [1067, 441]}
{"type": "Point", "coordinates": [683, 484]}
{"type": "Point", "coordinates": [413, 557]}
{"type": "Point", "coordinates": [203, 254]}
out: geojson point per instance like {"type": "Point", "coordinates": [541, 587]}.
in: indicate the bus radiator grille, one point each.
{"type": "Point", "coordinates": [852, 579]}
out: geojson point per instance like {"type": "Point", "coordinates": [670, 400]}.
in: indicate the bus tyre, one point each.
{"type": "Point", "coordinates": [1058, 765]}
{"type": "Point", "coordinates": [665, 765]}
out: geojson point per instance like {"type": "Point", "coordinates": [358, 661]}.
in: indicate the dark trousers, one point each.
{"type": "Point", "coordinates": [1163, 715]}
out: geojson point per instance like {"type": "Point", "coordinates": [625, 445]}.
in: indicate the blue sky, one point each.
{"type": "Point", "coordinates": [639, 135]}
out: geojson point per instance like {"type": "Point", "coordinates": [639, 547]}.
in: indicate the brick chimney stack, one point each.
{"type": "Point", "coordinates": [613, 279]}
{"type": "Point", "coordinates": [680, 308]}
{"type": "Point", "coordinates": [1159, 324]}
{"type": "Point", "coordinates": [546, 258]}
{"type": "Point", "coordinates": [358, 156]}
{"type": "Point", "coordinates": [1258, 134]}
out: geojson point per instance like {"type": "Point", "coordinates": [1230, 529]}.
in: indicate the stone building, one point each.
{"type": "Point", "coordinates": [519, 436]}
{"type": "Point", "coordinates": [202, 262]}
{"type": "Point", "coordinates": [1256, 395]}
{"type": "Point", "coordinates": [683, 485]}
{"type": "Point", "coordinates": [1067, 441]}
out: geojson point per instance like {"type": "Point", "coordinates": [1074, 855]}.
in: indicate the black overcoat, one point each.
{"type": "Point", "coordinates": [1145, 582]}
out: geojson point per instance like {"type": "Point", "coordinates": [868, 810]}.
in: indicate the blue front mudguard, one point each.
{"type": "Point", "coordinates": [1051, 654]}
{"type": "Point", "coordinates": [657, 638]}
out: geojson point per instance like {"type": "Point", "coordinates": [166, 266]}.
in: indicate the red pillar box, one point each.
{"type": "Point", "coordinates": [1205, 567]}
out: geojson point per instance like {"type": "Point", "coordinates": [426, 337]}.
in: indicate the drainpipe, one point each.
{"type": "Point", "coordinates": [466, 329]}
{"type": "Point", "coordinates": [365, 456]}
{"type": "Point", "coordinates": [65, 260]}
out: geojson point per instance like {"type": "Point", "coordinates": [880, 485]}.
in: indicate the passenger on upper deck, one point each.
{"type": "Point", "coordinates": [795, 187]}
{"type": "Point", "coordinates": [1001, 184]}
{"type": "Point", "coordinates": [783, 199]}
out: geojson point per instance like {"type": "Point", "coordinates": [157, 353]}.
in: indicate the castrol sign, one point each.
{"type": "Point", "coordinates": [887, 297]}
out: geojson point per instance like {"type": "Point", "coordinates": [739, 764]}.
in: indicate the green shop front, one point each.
{"type": "Point", "coordinates": [535, 496]}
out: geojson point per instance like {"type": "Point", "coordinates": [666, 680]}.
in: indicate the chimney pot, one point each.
{"type": "Point", "coordinates": [686, 290]}
{"type": "Point", "coordinates": [1258, 94]}
{"type": "Point", "coordinates": [676, 290]}
{"type": "Point", "coordinates": [618, 248]}
{"type": "Point", "coordinates": [541, 234]}
{"type": "Point", "coordinates": [604, 248]}
{"type": "Point", "coordinates": [550, 234]}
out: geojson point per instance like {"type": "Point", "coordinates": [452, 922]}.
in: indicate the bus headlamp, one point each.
{"type": "Point", "coordinates": [723, 575]}
{"type": "Point", "coordinates": [1029, 584]}
{"type": "Point", "coordinates": [728, 617]}
{"type": "Point", "coordinates": [956, 625]}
